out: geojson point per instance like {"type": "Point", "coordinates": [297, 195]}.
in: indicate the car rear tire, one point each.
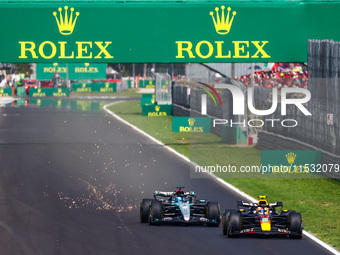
{"type": "Point", "coordinates": [225, 222]}
{"type": "Point", "coordinates": [295, 225]}
{"type": "Point", "coordinates": [234, 223]}
{"type": "Point", "coordinates": [213, 214]}
{"type": "Point", "coordinates": [156, 212]}
{"type": "Point", "coordinates": [145, 209]}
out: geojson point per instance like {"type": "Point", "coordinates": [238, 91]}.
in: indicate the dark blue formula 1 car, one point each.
{"type": "Point", "coordinates": [262, 219]}
{"type": "Point", "coordinates": [179, 207]}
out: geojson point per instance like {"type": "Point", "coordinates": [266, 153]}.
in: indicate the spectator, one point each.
{"type": "Point", "coordinates": [293, 76]}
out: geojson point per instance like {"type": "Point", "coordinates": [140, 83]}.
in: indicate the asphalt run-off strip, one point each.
{"type": "Point", "coordinates": [223, 182]}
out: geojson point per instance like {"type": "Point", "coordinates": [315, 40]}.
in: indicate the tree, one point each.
{"type": "Point", "coordinates": [24, 68]}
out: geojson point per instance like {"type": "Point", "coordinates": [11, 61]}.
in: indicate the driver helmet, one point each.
{"type": "Point", "coordinates": [260, 210]}
{"type": "Point", "coordinates": [266, 210]}
{"type": "Point", "coordinates": [178, 199]}
{"type": "Point", "coordinates": [179, 192]}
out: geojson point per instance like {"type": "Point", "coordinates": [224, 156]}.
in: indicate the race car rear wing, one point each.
{"type": "Point", "coordinates": [276, 204]}
{"type": "Point", "coordinates": [244, 204]}
{"type": "Point", "coordinates": [172, 193]}
{"type": "Point", "coordinates": [163, 194]}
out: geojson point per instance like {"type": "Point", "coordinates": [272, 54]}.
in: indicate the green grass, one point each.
{"type": "Point", "coordinates": [126, 93]}
{"type": "Point", "coordinates": [317, 199]}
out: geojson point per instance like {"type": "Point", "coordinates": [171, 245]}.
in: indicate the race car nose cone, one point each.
{"type": "Point", "coordinates": [185, 208]}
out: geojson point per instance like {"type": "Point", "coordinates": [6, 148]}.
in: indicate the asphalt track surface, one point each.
{"type": "Point", "coordinates": [71, 182]}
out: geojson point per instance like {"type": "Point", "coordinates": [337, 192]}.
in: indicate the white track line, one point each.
{"type": "Point", "coordinates": [223, 182]}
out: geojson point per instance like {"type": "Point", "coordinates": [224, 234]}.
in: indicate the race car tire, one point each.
{"type": "Point", "coordinates": [225, 221]}
{"type": "Point", "coordinates": [145, 209]}
{"type": "Point", "coordinates": [295, 225]}
{"type": "Point", "coordinates": [234, 221]}
{"type": "Point", "coordinates": [156, 212]}
{"type": "Point", "coordinates": [213, 214]}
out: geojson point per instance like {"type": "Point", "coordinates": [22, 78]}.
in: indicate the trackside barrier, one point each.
{"type": "Point", "coordinates": [233, 135]}
{"type": "Point", "coordinates": [81, 87]}
{"type": "Point", "coordinates": [126, 83]}
{"type": "Point", "coordinates": [121, 85]}
{"type": "Point", "coordinates": [21, 91]}
{"type": "Point", "coordinates": [157, 110]}
{"type": "Point", "coordinates": [49, 92]}
{"type": "Point", "coordinates": [147, 99]}
{"type": "Point", "coordinates": [147, 84]}
{"type": "Point", "coordinates": [95, 87]}
{"type": "Point", "coordinates": [191, 124]}
{"type": "Point", "coordinates": [6, 92]}
{"type": "Point", "coordinates": [104, 87]}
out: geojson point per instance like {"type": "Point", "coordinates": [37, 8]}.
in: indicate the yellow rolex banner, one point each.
{"type": "Point", "coordinates": [104, 87]}
{"type": "Point", "coordinates": [150, 84]}
{"type": "Point", "coordinates": [86, 71]}
{"type": "Point", "coordinates": [71, 71]}
{"type": "Point", "coordinates": [82, 87]}
{"type": "Point", "coordinates": [157, 110]}
{"type": "Point", "coordinates": [147, 99]}
{"type": "Point", "coordinates": [5, 92]}
{"type": "Point", "coordinates": [283, 162]}
{"type": "Point", "coordinates": [95, 87]}
{"type": "Point", "coordinates": [191, 124]}
{"type": "Point", "coordinates": [45, 71]}
{"type": "Point", "coordinates": [196, 31]}
{"type": "Point", "coordinates": [49, 92]}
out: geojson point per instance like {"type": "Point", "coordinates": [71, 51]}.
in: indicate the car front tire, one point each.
{"type": "Point", "coordinates": [213, 214]}
{"type": "Point", "coordinates": [144, 210]}
{"type": "Point", "coordinates": [156, 212]}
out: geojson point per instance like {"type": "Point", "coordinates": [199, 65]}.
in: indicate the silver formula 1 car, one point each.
{"type": "Point", "coordinates": [262, 218]}
{"type": "Point", "coordinates": [179, 207]}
